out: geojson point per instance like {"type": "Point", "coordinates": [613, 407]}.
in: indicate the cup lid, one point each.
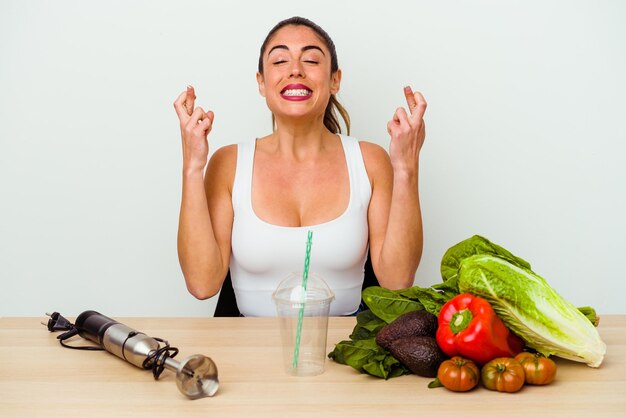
{"type": "Point", "coordinates": [290, 290]}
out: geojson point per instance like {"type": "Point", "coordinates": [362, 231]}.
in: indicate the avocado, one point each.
{"type": "Point", "coordinates": [420, 354]}
{"type": "Point", "coordinates": [410, 324]}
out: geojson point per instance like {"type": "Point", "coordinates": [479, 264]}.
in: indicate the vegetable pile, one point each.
{"type": "Point", "coordinates": [488, 307]}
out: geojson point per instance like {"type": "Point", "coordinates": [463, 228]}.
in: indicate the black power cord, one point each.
{"type": "Point", "coordinates": [155, 361]}
{"type": "Point", "coordinates": [58, 322]}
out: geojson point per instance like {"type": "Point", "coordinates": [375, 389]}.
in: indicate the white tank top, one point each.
{"type": "Point", "coordinates": [263, 254]}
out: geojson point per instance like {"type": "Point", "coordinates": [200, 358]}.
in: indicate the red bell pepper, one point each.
{"type": "Point", "coordinates": [469, 327]}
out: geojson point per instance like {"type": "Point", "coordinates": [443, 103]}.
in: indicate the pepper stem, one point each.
{"type": "Point", "coordinates": [460, 320]}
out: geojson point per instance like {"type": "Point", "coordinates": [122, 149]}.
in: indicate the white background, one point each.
{"type": "Point", "coordinates": [525, 134]}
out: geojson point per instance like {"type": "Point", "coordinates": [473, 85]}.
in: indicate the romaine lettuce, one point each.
{"type": "Point", "coordinates": [451, 260]}
{"type": "Point", "coordinates": [531, 308]}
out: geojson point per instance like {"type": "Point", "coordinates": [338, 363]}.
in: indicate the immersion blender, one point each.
{"type": "Point", "coordinates": [196, 375]}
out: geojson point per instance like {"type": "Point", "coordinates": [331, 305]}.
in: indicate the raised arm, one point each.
{"type": "Point", "coordinates": [203, 247]}
{"type": "Point", "coordinates": [396, 233]}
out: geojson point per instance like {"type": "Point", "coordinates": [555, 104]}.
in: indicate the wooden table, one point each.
{"type": "Point", "coordinates": [38, 377]}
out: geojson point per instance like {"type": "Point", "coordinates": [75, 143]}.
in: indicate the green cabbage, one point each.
{"type": "Point", "coordinates": [530, 307]}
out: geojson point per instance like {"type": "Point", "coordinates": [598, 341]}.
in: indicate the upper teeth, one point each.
{"type": "Point", "coordinates": [296, 92]}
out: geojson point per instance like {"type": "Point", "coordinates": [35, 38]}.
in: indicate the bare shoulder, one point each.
{"type": "Point", "coordinates": [376, 159]}
{"type": "Point", "coordinates": [222, 166]}
{"type": "Point", "coordinates": [225, 155]}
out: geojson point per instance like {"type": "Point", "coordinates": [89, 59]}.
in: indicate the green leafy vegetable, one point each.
{"type": "Point", "coordinates": [388, 304]}
{"type": "Point", "coordinates": [361, 351]}
{"type": "Point", "coordinates": [367, 357]}
{"type": "Point", "coordinates": [431, 300]}
{"type": "Point", "coordinates": [451, 260]}
{"type": "Point", "coordinates": [449, 288]}
{"type": "Point", "coordinates": [367, 326]}
{"type": "Point", "coordinates": [532, 309]}
{"type": "Point", "coordinates": [523, 300]}
{"type": "Point", "coordinates": [591, 315]}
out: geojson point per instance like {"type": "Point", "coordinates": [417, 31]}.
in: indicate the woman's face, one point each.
{"type": "Point", "coordinates": [296, 80]}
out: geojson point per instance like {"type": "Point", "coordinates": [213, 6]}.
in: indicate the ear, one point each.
{"type": "Point", "coordinates": [335, 82]}
{"type": "Point", "coordinates": [261, 82]}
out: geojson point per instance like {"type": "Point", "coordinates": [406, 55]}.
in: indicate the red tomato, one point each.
{"type": "Point", "coordinates": [539, 370]}
{"type": "Point", "coordinates": [503, 374]}
{"type": "Point", "coordinates": [458, 374]}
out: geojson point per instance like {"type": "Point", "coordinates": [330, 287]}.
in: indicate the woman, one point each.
{"type": "Point", "coordinates": [251, 209]}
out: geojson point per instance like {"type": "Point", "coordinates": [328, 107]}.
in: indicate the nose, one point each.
{"type": "Point", "coordinates": [296, 69]}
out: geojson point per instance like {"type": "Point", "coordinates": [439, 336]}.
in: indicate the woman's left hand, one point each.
{"type": "Point", "coordinates": [407, 133]}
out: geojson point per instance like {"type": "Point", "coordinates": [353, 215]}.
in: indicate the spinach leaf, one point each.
{"type": "Point", "coordinates": [387, 304]}
{"type": "Point", "coordinates": [429, 298]}
{"type": "Point", "coordinates": [355, 353]}
{"type": "Point", "coordinates": [367, 326]}
{"type": "Point", "coordinates": [450, 288]}
{"type": "Point", "coordinates": [385, 366]}
{"type": "Point", "coordinates": [368, 357]}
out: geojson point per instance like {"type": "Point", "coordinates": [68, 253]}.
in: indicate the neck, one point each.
{"type": "Point", "coordinates": [300, 139]}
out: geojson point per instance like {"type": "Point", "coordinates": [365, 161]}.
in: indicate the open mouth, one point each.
{"type": "Point", "coordinates": [296, 92]}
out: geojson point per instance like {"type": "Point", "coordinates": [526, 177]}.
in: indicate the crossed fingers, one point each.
{"type": "Point", "coordinates": [186, 110]}
{"type": "Point", "coordinates": [184, 104]}
{"type": "Point", "coordinates": [413, 121]}
{"type": "Point", "coordinates": [189, 100]}
{"type": "Point", "coordinates": [416, 103]}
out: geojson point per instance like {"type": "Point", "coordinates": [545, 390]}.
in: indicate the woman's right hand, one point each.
{"type": "Point", "coordinates": [195, 125]}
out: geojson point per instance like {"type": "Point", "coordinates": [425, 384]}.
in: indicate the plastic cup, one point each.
{"type": "Point", "coordinates": [291, 298]}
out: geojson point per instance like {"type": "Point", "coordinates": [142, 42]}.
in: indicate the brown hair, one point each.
{"type": "Point", "coordinates": [331, 121]}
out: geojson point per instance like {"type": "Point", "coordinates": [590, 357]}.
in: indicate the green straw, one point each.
{"type": "Point", "coordinates": [305, 279]}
